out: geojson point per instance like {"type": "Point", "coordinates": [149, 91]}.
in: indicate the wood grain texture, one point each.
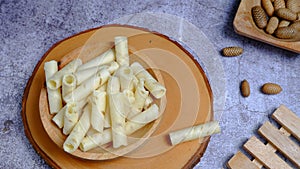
{"type": "Point", "coordinates": [240, 161]}
{"type": "Point", "coordinates": [185, 155]}
{"type": "Point", "coordinates": [289, 148]}
{"type": "Point", "coordinates": [265, 154]}
{"type": "Point", "coordinates": [288, 120]}
{"type": "Point", "coordinates": [244, 25]}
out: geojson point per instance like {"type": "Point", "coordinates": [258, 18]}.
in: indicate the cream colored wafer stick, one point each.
{"type": "Point", "coordinates": [136, 123]}
{"type": "Point", "coordinates": [70, 118]}
{"type": "Point", "coordinates": [126, 78]}
{"type": "Point", "coordinates": [79, 131]}
{"type": "Point", "coordinates": [113, 86]}
{"type": "Point", "coordinates": [98, 102]}
{"type": "Point", "coordinates": [55, 81]}
{"type": "Point", "coordinates": [102, 59]}
{"type": "Point", "coordinates": [54, 95]}
{"type": "Point", "coordinates": [141, 119]}
{"type": "Point", "coordinates": [140, 97]}
{"type": "Point", "coordinates": [83, 75]}
{"type": "Point", "coordinates": [68, 84]}
{"type": "Point", "coordinates": [121, 46]}
{"type": "Point", "coordinates": [58, 119]}
{"type": "Point", "coordinates": [50, 68]}
{"type": "Point", "coordinates": [155, 88]}
{"type": "Point", "coordinates": [194, 132]}
{"type": "Point", "coordinates": [92, 141]}
{"type": "Point", "coordinates": [88, 86]}
{"type": "Point", "coordinates": [55, 100]}
{"type": "Point", "coordinates": [117, 115]}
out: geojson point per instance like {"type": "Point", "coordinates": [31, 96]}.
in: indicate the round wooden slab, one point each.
{"type": "Point", "coordinates": [189, 100]}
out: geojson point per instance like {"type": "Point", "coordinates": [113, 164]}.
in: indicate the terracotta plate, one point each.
{"type": "Point", "coordinates": [244, 25]}
{"type": "Point", "coordinates": [189, 100]}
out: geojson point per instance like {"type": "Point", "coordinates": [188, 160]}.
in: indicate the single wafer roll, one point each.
{"type": "Point", "coordinates": [54, 95]}
{"type": "Point", "coordinates": [70, 118]}
{"type": "Point", "coordinates": [55, 100]}
{"type": "Point", "coordinates": [98, 102]}
{"type": "Point", "coordinates": [102, 59]}
{"type": "Point", "coordinates": [88, 86]}
{"type": "Point", "coordinates": [194, 132]}
{"type": "Point", "coordinates": [55, 81]}
{"type": "Point", "coordinates": [140, 97]}
{"type": "Point", "coordinates": [121, 46]}
{"type": "Point", "coordinates": [68, 84]}
{"type": "Point", "coordinates": [58, 119]}
{"type": "Point", "coordinates": [83, 75]}
{"type": "Point", "coordinates": [79, 131]}
{"type": "Point", "coordinates": [154, 87]}
{"type": "Point", "coordinates": [232, 51]}
{"type": "Point", "coordinates": [117, 113]}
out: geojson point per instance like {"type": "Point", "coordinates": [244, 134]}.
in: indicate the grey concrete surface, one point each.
{"type": "Point", "coordinates": [29, 28]}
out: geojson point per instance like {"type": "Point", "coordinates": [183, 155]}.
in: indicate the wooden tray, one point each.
{"type": "Point", "coordinates": [243, 24]}
{"type": "Point", "coordinates": [278, 140]}
{"type": "Point", "coordinates": [189, 101]}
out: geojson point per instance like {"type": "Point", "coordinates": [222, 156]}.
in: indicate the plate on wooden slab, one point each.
{"type": "Point", "coordinates": [244, 25]}
{"type": "Point", "coordinates": [189, 100]}
{"type": "Point", "coordinates": [106, 151]}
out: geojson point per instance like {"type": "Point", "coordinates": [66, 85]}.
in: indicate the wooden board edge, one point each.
{"type": "Point", "coordinates": [239, 155]}
{"type": "Point", "coordinates": [283, 109]}
{"type": "Point", "coordinates": [198, 155]}
{"type": "Point", "coordinates": [266, 128]}
{"type": "Point", "coordinates": [253, 145]}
